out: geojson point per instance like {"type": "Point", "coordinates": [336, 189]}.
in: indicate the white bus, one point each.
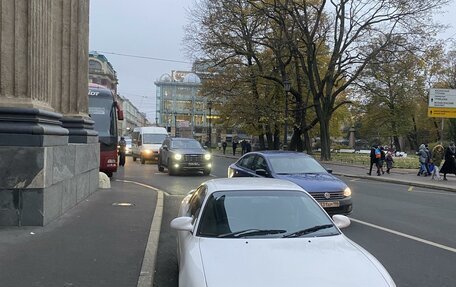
{"type": "Point", "coordinates": [146, 141]}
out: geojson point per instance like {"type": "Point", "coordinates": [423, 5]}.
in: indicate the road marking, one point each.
{"type": "Point", "coordinates": [356, 179]}
{"type": "Point", "coordinates": [410, 189]}
{"type": "Point", "coordinates": [146, 276]}
{"type": "Point", "coordinates": [441, 246]}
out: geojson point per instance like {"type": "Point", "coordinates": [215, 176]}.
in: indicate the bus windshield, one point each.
{"type": "Point", "coordinates": [102, 113]}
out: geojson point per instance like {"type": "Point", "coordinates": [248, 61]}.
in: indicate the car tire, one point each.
{"type": "Point", "coordinates": [207, 172]}
{"type": "Point", "coordinates": [160, 167]}
{"type": "Point", "coordinates": [143, 160]}
{"type": "Point", "coordinates": [171, 170]}
{"type": "Point", "coordinates": [109, 174]}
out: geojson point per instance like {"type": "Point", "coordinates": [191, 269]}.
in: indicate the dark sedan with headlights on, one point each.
{"type": "Point", "coordinates": [332, 193]}
{"type": "Point", "coordinates": [183, 154]}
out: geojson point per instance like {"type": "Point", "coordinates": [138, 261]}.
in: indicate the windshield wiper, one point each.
{"type": "Point", "coordinates": [308, 230]}
{"type": "Point", "coordinates": [251, 232]}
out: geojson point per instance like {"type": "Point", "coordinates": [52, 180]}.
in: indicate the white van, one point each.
{"type": "Point", "coordinates": [146, 141]}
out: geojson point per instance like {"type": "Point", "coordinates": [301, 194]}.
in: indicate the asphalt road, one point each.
{"type": "Point", "coordinates": [411, 231]}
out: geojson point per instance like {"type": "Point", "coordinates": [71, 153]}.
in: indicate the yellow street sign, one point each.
{"type": "Point", "coordinates": [442, 112]}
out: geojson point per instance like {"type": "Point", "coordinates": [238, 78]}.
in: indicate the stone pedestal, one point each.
{"type": "Point", "coordinates": [39, 184]}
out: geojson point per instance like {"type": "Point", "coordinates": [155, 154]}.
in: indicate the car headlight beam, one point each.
{"type": "Point", "coordinates": [207, 156]}
{"type": "Point", "coordinates": [347, 192]}
{"type": "Point", "coordinates": [177, 156]}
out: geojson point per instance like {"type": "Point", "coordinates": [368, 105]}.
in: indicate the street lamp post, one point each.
{"type": "Point", "coordinates": [286, 87]}
{"type": "Point", "coordinates": [209, 106]}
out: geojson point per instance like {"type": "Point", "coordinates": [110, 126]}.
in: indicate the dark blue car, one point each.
{"type": "Point", "coordinates": [332, 193]}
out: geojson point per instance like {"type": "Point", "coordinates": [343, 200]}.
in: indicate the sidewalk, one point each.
{"type": "Point", "coordinates": [397, 175]}
{"type": "Point", "coordinates": [96, 243]}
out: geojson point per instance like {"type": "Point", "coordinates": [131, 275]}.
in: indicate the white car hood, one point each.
{"type": "Point", "coordinates": [324, 261]}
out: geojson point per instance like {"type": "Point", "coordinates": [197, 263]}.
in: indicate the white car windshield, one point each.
{"type": "Point", "coordinates": [153, 138]}
{"type": "Point", "coordinates": [237, 214]}
{"type": "Point", "coordinates": [186, 144]}
{"type": "Point", "coordinates": [295, 165]}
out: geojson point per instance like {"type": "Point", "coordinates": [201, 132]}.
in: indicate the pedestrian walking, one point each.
{"type": "Point", "coordinates": [381, 161]}
{"type": "Point", "coordinates": [449, 166]}
{"type": "Point", "coordinates": [122, 151]}
{"type": "Point", "coordinates": [423, 160]}
{"type": "Point", "coordinates": [374, 159]}
{"type": "Point", "coordinates": [242, 147]}
{"type": "Point", "coordinates": [438, 152]}
{"type": "Point", "coordinates": [248, 147]}
{"type": "Point", "coordinates": [224, 144]}
{"type": "Point", "coordinates": [429, 164]}
{"type": "Point", "coordinates": [389, 161]}
{"type": "Point", "coordinates": [235, 144]}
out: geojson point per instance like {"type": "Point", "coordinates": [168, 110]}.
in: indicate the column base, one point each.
{"type": "Point", "coordinates": [80, 129]}
{"type": "Point", "coordinates": [31, 127]}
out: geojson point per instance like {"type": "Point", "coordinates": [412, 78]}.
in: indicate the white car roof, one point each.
{"type": "Point", "coordinates": [249, 183]}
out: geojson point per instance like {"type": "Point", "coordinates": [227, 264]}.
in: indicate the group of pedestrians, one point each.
{"type": "Point", "coordinates": [379, 157]}
{"type": "Point", "coordinates": [430, 161]}
{"type": "Point", "coordinates": [245, 147]}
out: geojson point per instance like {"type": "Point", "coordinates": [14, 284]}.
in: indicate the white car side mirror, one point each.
{"type": "Point", "coordinates": [341, 221]}
{"type": "Point", "coordinates": [182, 223]}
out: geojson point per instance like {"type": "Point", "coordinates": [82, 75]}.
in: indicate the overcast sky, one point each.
{"type": "Point", "coordinates": [151, 28]}
{"type": "Point", "coordinates": [155, 28]}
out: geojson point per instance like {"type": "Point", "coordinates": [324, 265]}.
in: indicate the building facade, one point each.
{"type": "Point", "coordinates": [132, 117]}
{"type": "Point", "coordinates": [101, 72]}
{"type": "Point", "coordinates": [180, 108]}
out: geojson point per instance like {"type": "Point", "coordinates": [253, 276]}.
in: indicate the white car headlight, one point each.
{"type": "Point", "coordinates": [347, 191]}
{"type": "Point", "coordinates": [207, 156]}
{"type": "Point", "coordinates": [147, 151]}
{"type": "Point", "coordinates": [177, 156]}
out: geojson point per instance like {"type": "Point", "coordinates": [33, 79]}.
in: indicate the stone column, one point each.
{"type": "Point", "coordinates": [352, 139]}
{"type": "Point", "coordinates": [70, 41]}
{"type": "Point", "coordinates": [41, 175]}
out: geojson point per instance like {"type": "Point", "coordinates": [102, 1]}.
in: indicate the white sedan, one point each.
{"type": "Point", "coordinates": [267, 232]}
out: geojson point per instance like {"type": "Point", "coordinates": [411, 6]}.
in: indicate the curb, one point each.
{"type": "Point", "coordinates": [146, 276]}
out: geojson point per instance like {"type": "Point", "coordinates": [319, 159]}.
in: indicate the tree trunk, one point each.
{"type": "Point", "coordinates": [269, 138]}
{"type": "Point", "coordinates": [307, 143]}
{"type": "Point", "coordinates": [325, 139]}
{"type": "Point", "coordinates": [397, 143]}
{"type": "Point", "coordinates": [261, 141]}
{"type": "Point", "coordinates": [276, 137]}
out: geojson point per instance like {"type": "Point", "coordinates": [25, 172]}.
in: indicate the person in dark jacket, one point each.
{"type": "Point", "coordinates": [224, 145]}
{"type": "Point", "coordinates": [248, 147]}
{"type": "Point", "coordinates": [373, 160]}
{"type": "Point", "coordinates": [381, 161]}
{"type": "Point", "coordinates": [235, 144]}
{"type": "Point", "coordinates": [449, 166]}
{"type": "Point", "coordinates": [122, 151]}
